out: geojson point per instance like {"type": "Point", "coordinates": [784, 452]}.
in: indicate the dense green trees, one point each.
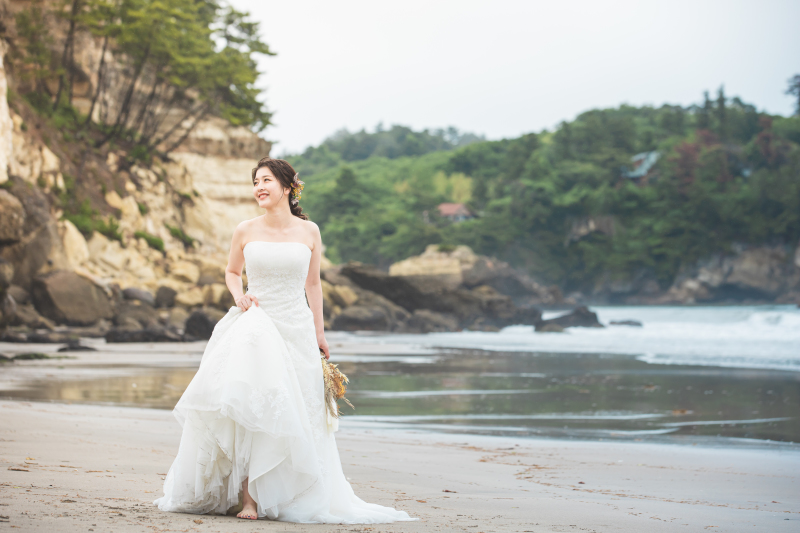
{"type": "Point", "coordinates": [196, 56]}
{"type": "Point", "coordinates": [397, 141]}
{"type": "Point", "coordinates": [735, 180]}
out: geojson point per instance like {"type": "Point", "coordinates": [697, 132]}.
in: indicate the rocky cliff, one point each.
{"type": "Point", "coordinates": [748, 274]}
{"type": "Point", "coordinates": [169, 221]}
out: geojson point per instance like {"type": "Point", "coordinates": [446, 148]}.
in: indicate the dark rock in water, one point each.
{"type": "Point", "coordinates": [634, 323]}
{"type": "Point", "coordinates": [142, 295]}
{"type": "Point", "coordinates": [201, 322]}
{"type": "Point", "coordinates": [362, 318]}
{"type": "Point", "coordinates": [143, 313]}
{"type": "Point", "coordinates": [549, 328]}
{"type": "Point", "coordinates": [579, 317]}
{"type": "Point", "coordinates": [426, 321]}
{"type": "Point", "coordinates": [66, 297]}
{"type": "Point", "coordinates": [76, 346]}
{"type": "Point", "coordinates": [165, 297]}
{"type": "Point", "coordinates": [154, 334]}
{"type": "Point", "coordinates": [527, 316]}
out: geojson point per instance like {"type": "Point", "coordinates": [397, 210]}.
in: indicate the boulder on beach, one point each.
{"type": "Point", "coordinates": [481, 307]}
{"type": "Point", "coordinates": [66, 297]}
{"type": "Point", "coordinates": [394, 288]}
{"type": "Point", "coordinates": [165, 296]}
{"type": "Point", "coordinates": [201, 322]}
{"type": "Point", "coordinates": [12, 218]}
{"type": "Point", "coordinates": [442, 267]}
{"type": "Point", "coordinates": [426, 321]}
{"type": "Point", "coordinates": [362, 318]}
{"type": "Point", "coordinates": [142, 295]}
{"type": "Point", "coordinates": [151, 334]}
{"type": "Point", "coordinates": [26, 315]}
{"type": "Point", "coordinates": [139, 311]}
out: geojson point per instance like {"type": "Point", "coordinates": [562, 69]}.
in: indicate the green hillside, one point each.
{"type": "Point", "coordinates": [727, 174]}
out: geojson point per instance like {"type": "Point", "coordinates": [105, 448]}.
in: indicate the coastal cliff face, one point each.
{"type": "Point", "coordinates": [748, 274]}
{"type": "Point", "coordinates": [172, 220]}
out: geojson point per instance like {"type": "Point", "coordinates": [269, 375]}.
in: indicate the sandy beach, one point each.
{"type": "Point", "coordinates": [98, 468]}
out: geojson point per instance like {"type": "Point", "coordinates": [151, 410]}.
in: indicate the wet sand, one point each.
{"type": "Point", "coordinates": [98, 468]}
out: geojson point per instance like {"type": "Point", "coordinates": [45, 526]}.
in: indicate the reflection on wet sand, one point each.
{"type": "Point", "coordinates": [500, 393]}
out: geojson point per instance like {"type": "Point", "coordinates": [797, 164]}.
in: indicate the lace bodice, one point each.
{"type": "Point", "coordinates": [276, 273]}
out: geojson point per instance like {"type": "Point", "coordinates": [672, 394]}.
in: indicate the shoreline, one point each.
{"type": "Point", "coordinates": [409, 387]}
{"type": "Point", "coordinates": [109, 464]}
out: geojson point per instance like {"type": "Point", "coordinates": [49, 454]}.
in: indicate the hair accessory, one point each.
{"type": "Point", "coordinates": [297, 189]}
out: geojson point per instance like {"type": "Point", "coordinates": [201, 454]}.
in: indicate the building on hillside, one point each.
{"type": "Point", "coordinates": [455, 212]}
{"type": "Point", "coordinates": [642, 167]}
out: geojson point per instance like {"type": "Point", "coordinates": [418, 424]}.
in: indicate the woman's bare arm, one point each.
{"type": "Point", "coordinates": [233, 272]}
{"type": "Point", "coordinates": [314, 290]}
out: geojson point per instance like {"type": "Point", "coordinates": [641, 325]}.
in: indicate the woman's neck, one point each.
{"type": "Point", "coordinates": [278, 218]}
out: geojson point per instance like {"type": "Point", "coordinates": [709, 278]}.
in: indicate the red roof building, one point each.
{"type": "Point", "coordinates": [455, 212]}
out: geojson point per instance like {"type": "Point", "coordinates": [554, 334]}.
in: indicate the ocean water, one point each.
{"type": "Point", "coordinates": [766, 337]}
{"type": "Point", "coordinates": [688, 375]}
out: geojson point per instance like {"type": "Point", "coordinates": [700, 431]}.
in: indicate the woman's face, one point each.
{"type": "Point", "coordinates": [267, 190]}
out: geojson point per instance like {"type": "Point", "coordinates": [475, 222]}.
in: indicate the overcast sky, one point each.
{"type": "Point", "coordinates": [503, 68]}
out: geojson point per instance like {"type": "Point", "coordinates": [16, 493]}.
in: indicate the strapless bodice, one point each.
{"type": "Point", "coordinates": [276, 274]}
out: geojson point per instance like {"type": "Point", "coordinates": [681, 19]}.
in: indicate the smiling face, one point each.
{"type": "Point", "coordinates": [267, 190]}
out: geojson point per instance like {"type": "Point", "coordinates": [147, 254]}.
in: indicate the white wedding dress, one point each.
{"type": "Point", "coordinates": [255, 409]}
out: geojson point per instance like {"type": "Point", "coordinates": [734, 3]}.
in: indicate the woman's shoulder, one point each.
{"type": "Point", "coordinates": [245, 224]}
{"type": "Point", "coordinates": [243, 228]}
{"type": "Point", "coordinates": [310, 228]}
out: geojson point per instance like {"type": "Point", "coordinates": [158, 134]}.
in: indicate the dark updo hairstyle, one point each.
{"type": "Point", "coordinates": [285, 174]}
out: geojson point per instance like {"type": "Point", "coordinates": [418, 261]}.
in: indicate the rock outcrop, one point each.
{"type": "Point", "coordinates": [448, 306]}
{"type": "Point", "coordinates": [754, 274]}
{"type": "Point", "coordinates": [459, 267]}
{"type": "Point", "coordinates": [65, 297]}
{"type": "Point", "coordinates": [578, 317]}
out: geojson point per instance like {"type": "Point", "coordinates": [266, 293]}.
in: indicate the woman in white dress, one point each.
{"type": "Point", "coordinates": [254, 417]}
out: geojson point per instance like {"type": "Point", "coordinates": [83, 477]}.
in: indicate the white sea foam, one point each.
{"type": "Point", "coordinates": [732, 336]}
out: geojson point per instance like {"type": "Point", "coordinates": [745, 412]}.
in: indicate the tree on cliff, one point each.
{"type": "Point", "coordinates": [195, 56]}
{"type": "Point", "coordinates": [794, 90]}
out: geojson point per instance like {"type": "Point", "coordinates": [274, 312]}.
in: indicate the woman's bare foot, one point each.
{"type": "Point", "coordinates": [249, 512]}
{"type": "Point", "coordinates": [249, 504]}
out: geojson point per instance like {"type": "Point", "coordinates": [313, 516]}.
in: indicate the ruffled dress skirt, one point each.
{"type": "Point", "coordinates": [255, 409]}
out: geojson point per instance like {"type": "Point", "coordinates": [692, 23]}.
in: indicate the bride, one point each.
{"type": "Point", "coordinates": [254, 417]}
